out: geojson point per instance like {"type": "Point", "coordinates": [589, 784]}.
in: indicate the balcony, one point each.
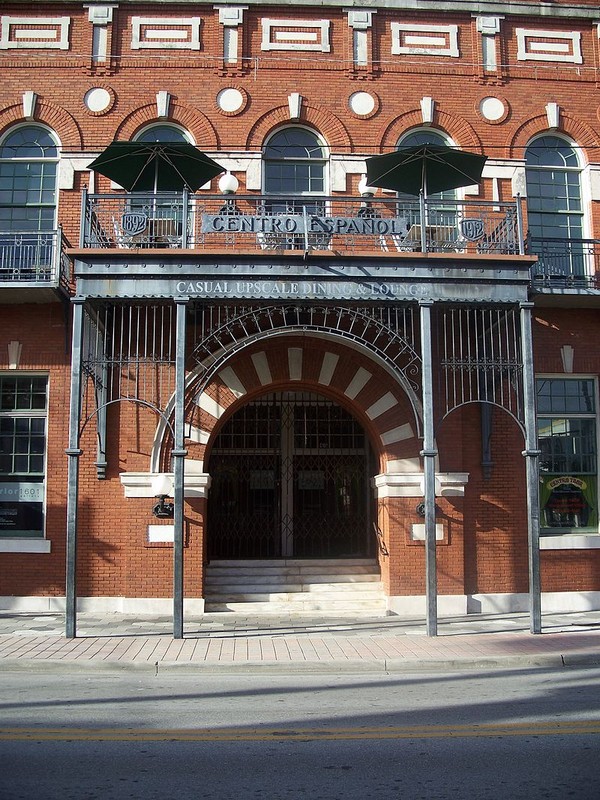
{"type": "Point", "coordinates": [565, 264]}
{"type": "Point", "coordinates": [365, 226]}
{"type": "Point", "coordinates": [33, 260]}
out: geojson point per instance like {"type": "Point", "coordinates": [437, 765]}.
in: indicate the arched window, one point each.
{"type": "Point", "coordinates": [554, 208]}
{"type": "Point", "coordinates": [163, 133]}
{"type": "Point", "coordinates": [295, 167]}
{"type": "Point", "coordinates": [295, 162]}
{"type": "Point", "coordinates": [28, 170]}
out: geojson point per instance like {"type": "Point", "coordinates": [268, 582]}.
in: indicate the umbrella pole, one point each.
{"type": "Point", "coordinates": [423, 214]}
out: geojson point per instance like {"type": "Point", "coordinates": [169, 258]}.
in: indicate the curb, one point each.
{"type": "Point", "coordinates": [383, 666]}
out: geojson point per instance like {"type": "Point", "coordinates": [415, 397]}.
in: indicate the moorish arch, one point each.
{"type": "Point", "coordinates": [349, 354]}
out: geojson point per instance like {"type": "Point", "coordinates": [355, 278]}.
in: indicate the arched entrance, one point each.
{"type": "Point", "coordinates": [290, 476]}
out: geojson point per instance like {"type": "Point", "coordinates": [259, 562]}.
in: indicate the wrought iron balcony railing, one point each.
{"type": "Point", "coordinates": [34, 257]}
{"type": "Point", "coordinates": [564, 263]}
{"type": "Point", "coordinates": [246, 223]}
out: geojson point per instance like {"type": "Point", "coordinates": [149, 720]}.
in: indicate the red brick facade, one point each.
{"type": "Point", "coordinates": [484, 545]}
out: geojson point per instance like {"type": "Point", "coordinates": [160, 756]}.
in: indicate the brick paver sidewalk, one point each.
{"type": "Point", "coordinates": [229, 641]}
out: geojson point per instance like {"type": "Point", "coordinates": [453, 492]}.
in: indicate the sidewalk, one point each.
{"type": "Point", "coordinates": [232, 642]}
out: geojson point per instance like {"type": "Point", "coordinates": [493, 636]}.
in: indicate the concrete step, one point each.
{"type": "Point", "coordinates": [351, 586]}
{"type": "Point", "coordinates": [373, 608]}
{"type": "Point", "coordinates": [260, 579]}
{"type": "Point", "coordinates": [289, 595]}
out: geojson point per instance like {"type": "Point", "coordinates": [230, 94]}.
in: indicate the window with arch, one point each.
{"type": "Point", "coordinates": [295, 167]}
{"type": "Point", "coordinates": [28, 173]}
{"type": "Point", "coordinates": [163, 133]}
{"type": "Point", "coordinates": [554, 205]}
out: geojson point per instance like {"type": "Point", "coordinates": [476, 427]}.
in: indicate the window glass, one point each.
{"type": "Point", "coordinates": [554, 206]}
{"type": "Point", "coordinates": [23, 407]}
{"type": "Point", "coordinates": [568, 462]}
{"type": "Point", "coordinates": [294, 162]}
{"type": "Point", "coordinates": [162, 133]}
{"type": "Point", "coordinates": [28, 172]}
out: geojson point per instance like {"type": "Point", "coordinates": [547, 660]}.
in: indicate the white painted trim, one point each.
{"type": "Point", "coordinates": [417, 532]}
{"type": "Point", "coordinates": [166, 42]}
{"type": "Point", "coordinates": [570, 541]}
{"type": "Point", "coordinates": [161, 533]}
{"type": "Point", "coordinates": [328, 366]}
{"type": "Point", "coordinates": [162, 606]}
{"type": "Point", "coordinates": [61, 31]}
{"type": "Point", "coordinates": [25, 545]}
{"type": "Point", "coordinates": [451, 484]}
{"type": "Point", "coordinates": [382, 405]}
{"type": "Point", "coordinates": [320, 25]}
{"type": "Point", "coordinates": [232, 381]}
{"type": "Point", "coordinates": [421, 43]}
{"type": "Point", "coordinates": [358, 382]}
{"type": "Point", "coordinates": [139, 484]}
{"type": "Point", "coordinates": [508, 603]}
{"type": "Point", "coordinates": [206, 403]}
{"type": "Point", "coordinates": [551, 54]}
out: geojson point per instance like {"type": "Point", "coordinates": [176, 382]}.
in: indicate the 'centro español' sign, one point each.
{"type": "Point", "coordinates": [286, 224]}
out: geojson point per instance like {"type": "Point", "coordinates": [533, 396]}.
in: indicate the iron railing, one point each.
{"type": "Point", "coordinates": [34, 257]}
{"type": "Point", "coordinates": [273, 223]}
{"type": "Point", "coordinates": [565, 262]}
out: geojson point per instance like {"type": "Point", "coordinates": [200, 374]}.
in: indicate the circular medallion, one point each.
{"type": "Point", "coordinates": [492, 109]}
{"type": "Point", "coordinates": [98, 100]}
{"type": "Point", "coordinates": [363, 104]}
{"type": "Point", "coordinates": [231, 100]}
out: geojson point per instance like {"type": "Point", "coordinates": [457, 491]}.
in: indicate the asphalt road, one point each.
{"type": "Point", "coordinates": [113, 735]}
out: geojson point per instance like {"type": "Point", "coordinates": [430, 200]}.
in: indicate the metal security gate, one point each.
{"type": "Point", "coordinates": [289, 479]}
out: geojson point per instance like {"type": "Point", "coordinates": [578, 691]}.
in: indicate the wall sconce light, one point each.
{"type": "Point", "coordinates": [161, 488]}
{"type": "Point", "coordinates": [420, 509]}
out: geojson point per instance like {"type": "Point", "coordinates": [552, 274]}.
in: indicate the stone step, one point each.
{"type": "Point", "coordinates": [335, 563]}
{"type": "Point", "coordinates": [260, 579]}
{"type": "Point", "coordinates": [314, 606]}
{"type": "Point", "coordinates": [290, 596]}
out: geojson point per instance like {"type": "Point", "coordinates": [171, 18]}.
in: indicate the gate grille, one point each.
{"type": "Point", "coordinates": [289, 479]}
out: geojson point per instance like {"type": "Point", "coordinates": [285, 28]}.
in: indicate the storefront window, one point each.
{"type": "Point", "coordinates": [568, 464]}
{"type": "Point", "coordinates": [23, 409]}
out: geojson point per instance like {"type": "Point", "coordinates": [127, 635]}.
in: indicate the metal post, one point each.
{"type": "Point", "coordinates": [429, 454]}
{"type": "Point", "coordinates": [73, 452]}
{"type": "Point", "coordinates": [532, 465]}
{"type": "Point", "coordinates": [423, 215]}
{"type": "Point", "coordinates": [179, 454]}
{"type": "Point", "coordinates": [520, 233]}
{"type": "Point", "coordinates": [185, 218]}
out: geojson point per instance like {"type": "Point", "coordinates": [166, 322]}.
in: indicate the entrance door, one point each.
{"type": "Point", "coordinates": [289, 479]}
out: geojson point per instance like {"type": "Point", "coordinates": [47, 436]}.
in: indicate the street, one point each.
{"type": "Point", "coordinates": [528, 733]}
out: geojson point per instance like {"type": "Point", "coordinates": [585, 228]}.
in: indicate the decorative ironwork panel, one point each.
{"type": "Point", "coordinates": [289, 479]}
{"type": "Point", "coordinates": [479, 350]}
{"type": "Point", "coordinates": [389, 332]}
{"type": "Point", "coordinates": [129, 354]}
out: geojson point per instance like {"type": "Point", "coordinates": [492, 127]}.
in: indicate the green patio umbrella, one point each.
{"type": "Point", "coordinates": [426, 168]}
{"type": "Point", "coordinates": [156, 166]}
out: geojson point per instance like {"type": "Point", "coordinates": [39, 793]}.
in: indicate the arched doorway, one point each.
{"type": "Point", "coordinates": [290, 476]}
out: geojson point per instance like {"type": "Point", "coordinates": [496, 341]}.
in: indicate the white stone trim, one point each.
{"type": "Point", "coordinates": [206, 403]}
{"type": "Point", "coordinates": [161, 533]}
{"type": "Point", "coordinates": [261, 365]}
{"type": "Point", "coordinates": [358, 382]}
{"type": "Point", "coordinates": [232, 15]}
{"type": "Point", "coordinates": [162, 606]}
{"type": "Point", "coordinates": [409, 484]}
{"type": "Point", "coordinates": [359, 18]}
{"type": "Point", "coordinates": [399, 434]}
{"type": "Point", "coordinates": [417, 532]}
{"type": "Point", "coordinates": [32, 38]}
{"type": "Point", "coordinates": [507, 603]}
{"type": "Point", "coordinates": [231, 380]}
{"type": "Point", "coordinates": [295, 40]}
{"type": "Point", "coordinates": [295, 363]}
{"type": "Point", "coordinates": [570, 541]}
{"type": "Point", "coordinates": [328, 366]}
{"type": "Point", "coordinates": [438, 40]}
{"type": "Point", "coordinates": [25, 545]}
{"type": "Point", "coordinates": [139, 484]}
{"type": "Point", "coordinates": [158, 38]}
{"type": "Point", "coordinates": [569, 50]}
{"type": "Point", "coordinates": [382, 405]}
